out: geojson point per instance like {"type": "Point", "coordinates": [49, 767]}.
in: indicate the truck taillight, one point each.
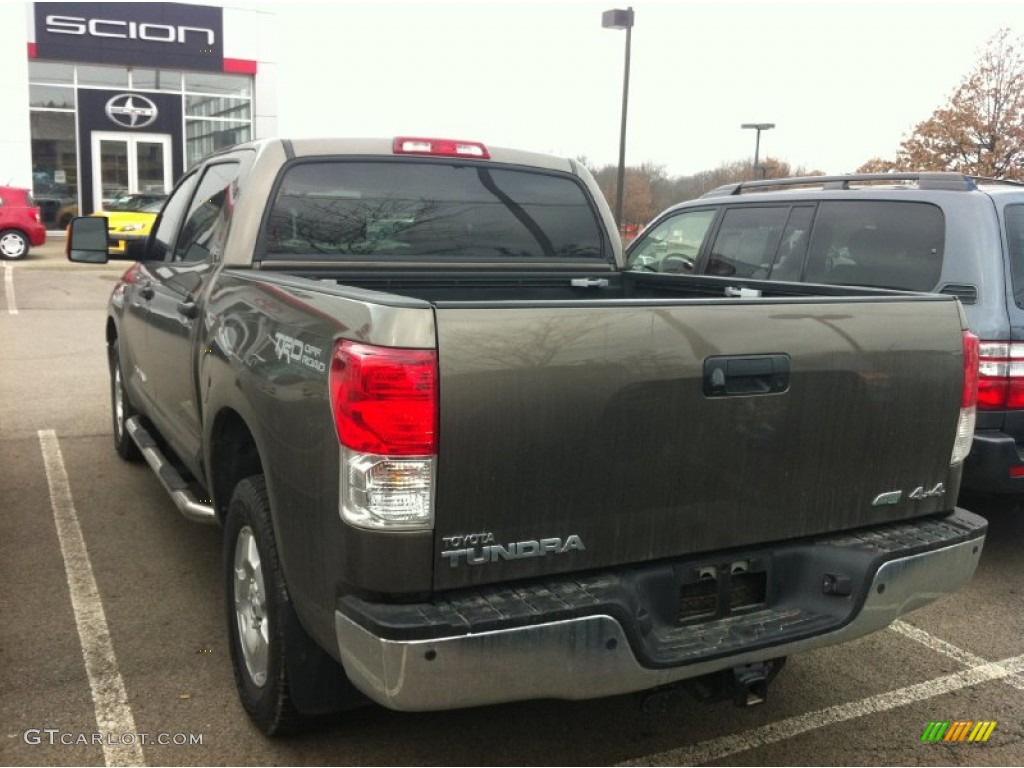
{"type": "Point", "coordinates": [384, 402]}
{"type": "Point", "coordinates": [413, 145]}
{"type": "Point", "coordinates": [1001, 376]}
{"type": "Point", "coordinates": [968, 399]}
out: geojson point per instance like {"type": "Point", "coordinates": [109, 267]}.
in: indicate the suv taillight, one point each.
{"type": "Point", "coordinates": [1000, 376]}
{"type": "Point", "coordinates": [384, 403]}
{"type": "Point", "coordinates": [968, 399]}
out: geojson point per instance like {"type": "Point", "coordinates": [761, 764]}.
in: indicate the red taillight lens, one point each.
{"type": "Point", "coordinates": [971, 379]}
{"type": "Point", "coordinates": [1000, 376]}
{"type": "Point", "coordinates": [385, 399]}
{"type": "Point", "coordinates": [992, 394]}
{"type": "Point", "coordinates": [413, 145]}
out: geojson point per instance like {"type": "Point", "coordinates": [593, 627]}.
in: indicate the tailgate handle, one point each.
{"type": "Point", "coordinates": [744, 375]}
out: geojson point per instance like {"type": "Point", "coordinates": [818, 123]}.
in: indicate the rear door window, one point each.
{"type": "Point", "coordinates": [428, 210]}
{"type": "Point", "coordinates": [789, 261]}
{"type": "Point", "coordinates": [884, 244]}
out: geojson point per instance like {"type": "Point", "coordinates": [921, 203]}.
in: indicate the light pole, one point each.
{"type": "Point", "coordinates": [757, 144]}
{"type": "Point", "coordinates": [621, 19]}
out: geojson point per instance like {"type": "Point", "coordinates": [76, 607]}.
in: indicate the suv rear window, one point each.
{"type": "Point", "coordinates": [886, 244]}
{"type": "Point", "coordinates": [409, 210]}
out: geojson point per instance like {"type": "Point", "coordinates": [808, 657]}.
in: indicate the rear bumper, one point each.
{"type": "Point", "coordinates": [36, 235]}
{"type": "Point", "coordinates": [993, 456]}
{"type": "Point", "coordinates": [615, 633]}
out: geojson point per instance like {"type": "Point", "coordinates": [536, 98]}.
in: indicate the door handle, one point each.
{"type": "Point", "coordinates": [188, 309]}
{"type": "Point", "coordinates": [733, 376]}
{"type": "Point", "coordinates": [146, 291]}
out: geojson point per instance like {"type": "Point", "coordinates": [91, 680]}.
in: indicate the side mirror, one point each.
{"type": "Point", "coordinates": [87, 240]}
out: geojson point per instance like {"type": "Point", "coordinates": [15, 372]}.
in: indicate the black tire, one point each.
{"type": "Point", "coordinates": [121, 408]}
{"type": "Point", "coordinates": [257, 598]}
{"type": "Point", "coordinates": [13, 244]}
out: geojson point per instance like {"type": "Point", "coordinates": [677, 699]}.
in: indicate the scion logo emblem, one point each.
{"type": "Point", "coordinates": [130, 110]}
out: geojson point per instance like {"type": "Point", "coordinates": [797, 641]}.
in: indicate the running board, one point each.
{"type": "Point", "coordinates": [168, 476]}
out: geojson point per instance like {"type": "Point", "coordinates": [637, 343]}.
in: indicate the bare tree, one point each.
{"type": "Point", "coordinates": [980, 131]}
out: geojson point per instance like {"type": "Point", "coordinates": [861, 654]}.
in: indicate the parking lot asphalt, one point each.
{"type": "Point", "coordinates": [113, 619]}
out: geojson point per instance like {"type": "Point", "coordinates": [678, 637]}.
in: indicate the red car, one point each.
{"type": "Point", "coordinates": [19, 223]}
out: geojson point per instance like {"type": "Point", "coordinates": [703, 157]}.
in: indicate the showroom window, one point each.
{"type": "Point", "coordinates": [54, 150]}
{"type": "Point", "coordinates": [218, 113]}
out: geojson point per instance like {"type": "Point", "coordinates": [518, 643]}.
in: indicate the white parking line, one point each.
{"type": "Point", "coordinates": [110, 700]}
{"type": "Point", "coordinates": [12, 307]}
{"type": "Point", "coordinates": [715, 749]}
{"type": "Point", "coordinates": [966, 658]}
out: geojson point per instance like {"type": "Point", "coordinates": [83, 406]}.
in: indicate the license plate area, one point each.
{"type": "Point", "coordinates": [716, 590]}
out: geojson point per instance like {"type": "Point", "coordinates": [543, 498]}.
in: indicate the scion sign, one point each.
{"type": "Point", "coordinates": [160, 34]}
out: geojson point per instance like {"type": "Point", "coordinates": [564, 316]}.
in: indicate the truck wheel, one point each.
{"type": "Point", "coordinates": [257, 610]}
{"type": "Point", "coordinates": [122, 409]}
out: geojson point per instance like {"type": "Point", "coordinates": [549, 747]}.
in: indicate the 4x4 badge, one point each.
{"type": "Point", "coordinates": [918, 494]}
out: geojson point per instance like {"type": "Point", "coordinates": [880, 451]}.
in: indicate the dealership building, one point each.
{"type": "Point", "coordinates": [124, 97]}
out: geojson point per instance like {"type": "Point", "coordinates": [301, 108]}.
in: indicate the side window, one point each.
{"type": "Point", "coordinates": [789, 261]}
{"type": "Point", "coordinates": [884, 244]}
{"type": "Point", "coordinates": [170, 220]}
{"type": "Point", "coordinates": [674, 244]}
{"type": "Point", "coordinates": [747, 241]}
{"type": "Point", "coordinates": [1014, 216]}
{"type": "Point", "coordinates": [206, 226]}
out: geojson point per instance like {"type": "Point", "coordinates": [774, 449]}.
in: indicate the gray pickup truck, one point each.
{"type": "Point", "coordinates": [461, 456]}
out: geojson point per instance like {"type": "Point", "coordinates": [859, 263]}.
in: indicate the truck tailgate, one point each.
{"type": "Point", "coordinates": [592, 435]}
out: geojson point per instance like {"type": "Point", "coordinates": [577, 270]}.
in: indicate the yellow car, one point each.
{"type": "Point", "coordinates": [129, 219]}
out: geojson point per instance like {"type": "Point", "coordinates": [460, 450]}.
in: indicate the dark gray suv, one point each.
{"type": "Point", "coordinates": [933, 232]}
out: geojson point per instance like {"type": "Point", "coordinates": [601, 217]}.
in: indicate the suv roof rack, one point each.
{"type": "Point", "coordinates": [942, 180]}
{"type": "Point", "coordinates": [991, 180]}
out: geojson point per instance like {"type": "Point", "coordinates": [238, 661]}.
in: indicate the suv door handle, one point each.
{"type": "Point", "coordinates": [147, 292]}
{"type": "Point", "coordinates": [189, 309]}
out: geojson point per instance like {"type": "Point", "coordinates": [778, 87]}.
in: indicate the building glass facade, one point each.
{"type": "Point", "coordinates": [125, 97]}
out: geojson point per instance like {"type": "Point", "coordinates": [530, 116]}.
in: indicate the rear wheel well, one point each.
{"type": "Point", "coordinates": [233, 457]}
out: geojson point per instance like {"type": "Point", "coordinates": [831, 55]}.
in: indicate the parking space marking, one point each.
{"type": "Point", "coordinates": [110, 700]}
{"type": "Point", "coordinates": [12, 307]}
{"type": "Point", "coordinates": [715, 749]}
{"type": "Point", "coordinates": [966, 658]}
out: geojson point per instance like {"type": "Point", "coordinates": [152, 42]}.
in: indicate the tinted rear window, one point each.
{"type": "Point", "coordinates": [886, 244]}
{"type": "Point", "coordinates": [409, 210]}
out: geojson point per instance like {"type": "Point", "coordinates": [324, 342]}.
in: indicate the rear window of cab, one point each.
{"type": "Point", "coordinates": [885, 244]}
{"type": "Point", "coordinates": [429, 210]}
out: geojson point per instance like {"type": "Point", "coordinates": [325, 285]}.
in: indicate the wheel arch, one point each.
{"type": "Point", "coordinates": [233, 456]}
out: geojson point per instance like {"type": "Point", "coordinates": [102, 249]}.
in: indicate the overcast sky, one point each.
{"type": "Point", "coordinates": [842, 81]}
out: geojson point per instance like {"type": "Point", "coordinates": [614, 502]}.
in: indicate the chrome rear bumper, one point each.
{"type": "Point", "coordinates": [591, 656]}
